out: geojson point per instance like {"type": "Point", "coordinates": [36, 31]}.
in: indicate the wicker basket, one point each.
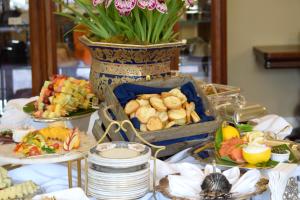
{"type": "Point", "coordinates": [175, 138]}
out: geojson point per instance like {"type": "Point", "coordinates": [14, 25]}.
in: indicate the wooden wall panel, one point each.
{"type": "Point", "coordinates": [219, 41]}
{"type": "Point", "coordinates": [43, 42]}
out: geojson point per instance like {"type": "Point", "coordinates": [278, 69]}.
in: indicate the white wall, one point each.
{"type": "Point", "coordinates": [263, 22]}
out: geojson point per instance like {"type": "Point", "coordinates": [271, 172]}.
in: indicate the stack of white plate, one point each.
{"type": "Point", "coordinates": [119, 170]}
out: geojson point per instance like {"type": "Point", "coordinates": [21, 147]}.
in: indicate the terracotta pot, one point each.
{"type": "Point", "coordinates": [119, 63]}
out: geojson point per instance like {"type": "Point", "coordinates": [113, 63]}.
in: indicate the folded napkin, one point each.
{"type": "Point", "coordinates": [246, 183]}
{"type": "Point", "coordinates": [190, 170]}
{"type": "Point", "coordinates": [277, 126]}
{"type": "Point", "coordinates": [210, 169]}
{"type": "Point", "coordinates": [162, 170]}
{"type": "Point", "coordinates": [185, 187]}
{"type": "Point", "coordinates": [278, 178]}
{"type": "Point", "coordinates": [232, 175]}
{"type": "Point", "coordinates": [13, 116]}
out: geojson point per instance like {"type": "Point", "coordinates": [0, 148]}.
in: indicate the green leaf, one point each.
{"type": "Point", "coordinates": [244, 127]}
{"type": "Point", "coordinates": [107, 20]}
{"type": "Point", "coordinates": [150, 24]}
{"type": "Point", "coordinates": [267, 164]}
{"type": "Point", "coordinates": [228, 159]}
{"type": "Point", "coordinates": [30, 109]}
{"type": "Point", "coordinates": [225, 160]}
{"type": "Point", "coordinates": [48, 149]}
{"type": "Point", "coordinates": [94, 18]}
{"type": "Point", "coordinates": [139, 24]}
{"type": "Point", "coordinates": [128, 31]}
{"type": "Point", "coordinates": [218, 139]}
{"type": "Point", "coordinates": [158, 22]}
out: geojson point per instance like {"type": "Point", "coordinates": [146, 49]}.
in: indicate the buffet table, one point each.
{"type": "Point", "coordinates": [54, 177]}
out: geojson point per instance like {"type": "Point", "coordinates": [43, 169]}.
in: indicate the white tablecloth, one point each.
{"type": "Point", "coordinates": [53, 177]}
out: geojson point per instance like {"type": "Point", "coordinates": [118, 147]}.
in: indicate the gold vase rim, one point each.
{"type": "Point", "coordinates": [85, 40]}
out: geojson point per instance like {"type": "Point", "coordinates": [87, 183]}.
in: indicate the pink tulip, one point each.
{"type": "Point", "coordinates": [125, 6]}
{"type": "Point", "coordinates": [161, 6]}
{"type": "Point", "coordinates": [149, 4]}
{"type": "Point", "coordinates": [97, 2]}
{"type": "Point", "coordinates": [189, 2]}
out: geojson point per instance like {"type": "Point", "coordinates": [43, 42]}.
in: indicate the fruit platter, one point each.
{"type": "Point", "coordinates": [240, 146]}
{"type": "Point", "coordinates": [55, 143]}
{"type": "Point", "coordinates": [62, 98]}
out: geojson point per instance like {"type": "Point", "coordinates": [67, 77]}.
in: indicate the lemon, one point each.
{"type": "Point", "coordinates": [229, 132]}
{"type": "Point", "coordinates": [255, 154]}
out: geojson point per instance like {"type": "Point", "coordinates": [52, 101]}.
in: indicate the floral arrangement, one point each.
{"type": "Point", "coordinates": [128, 21]}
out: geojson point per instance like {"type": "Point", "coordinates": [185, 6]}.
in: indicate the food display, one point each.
{"type": "Point", "coordinates": [48, 141]}
{"type": "Point", "coordinates": [61, 96]}
{"type": "Point", "coordinates": [248, 148]}
{"type": "Point", "coordinates": [161, 111]}
{"type": "Point", "coordinates": [19, 191]}
{"type": "Point", "coordinates": [5, 181]}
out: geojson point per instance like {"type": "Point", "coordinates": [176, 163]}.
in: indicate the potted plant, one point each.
{"type": "Point", "coordinates": [129, 39]}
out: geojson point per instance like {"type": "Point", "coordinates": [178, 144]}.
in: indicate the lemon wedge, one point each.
{"type": "Point", "coordinates": [229, 132]}
{"type": "Point", "coordinates": [255, 154]}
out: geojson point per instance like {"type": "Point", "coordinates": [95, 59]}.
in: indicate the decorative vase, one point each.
{"type": "Point", "coordinates": [119, 63]}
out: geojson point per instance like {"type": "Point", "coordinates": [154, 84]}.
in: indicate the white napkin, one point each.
{"type": "Point", "coordinates": [273, 124]}
{"type": "Point", "coordinates": [210, 169]}
{"type": "Point", "coordinates": [232, 174]}
{"type": "Point", "coordinates": [278, 178]}
{"type": "Point", "coordinates": [189, 170]}
{"type": "Point", "coordinates": [185, 187]}
{"type": "Point", "coordinates": [162, 170]}
{"type": "Point", "coordinates": [13, 116]}
{"type": "Point", "coordinates": [246, 184]}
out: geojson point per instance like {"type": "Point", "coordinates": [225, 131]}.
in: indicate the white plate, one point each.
{"type": "Point", "coordinates": [117, 195]}
{"type": "Point", "coordinates": [119, 154]}
{"type": "Point", "coordinates": [119, 190]}
{"type": "Point", "coordinates": [121, 185]}
{"type": "Point", "coordinates": [118, 175]}
{"type": "Point", "coordinates": [119, 181]}
{"type": "Point", "coordinates": [70, 194]}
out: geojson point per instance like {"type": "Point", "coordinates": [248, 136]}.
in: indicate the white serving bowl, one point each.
{"type": "Point", "coordinates": [279, 157]}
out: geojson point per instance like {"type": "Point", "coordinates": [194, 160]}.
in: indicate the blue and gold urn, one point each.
{"type": "Point", "coordinates": [119, 63]}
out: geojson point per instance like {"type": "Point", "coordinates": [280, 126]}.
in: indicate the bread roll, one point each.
{"type": "Point", "coordinates": [154, 124]}
{"type": "Point", "coordinates": [172, 102]}
{"type": "Point", "coordinates": [131, 107]}
{"type": "Point", "coordinates": [158, 104]}
{"type": "Point", "coordinates": [177, 114]}
{"type": "Point", "coordinates": [144, 113]}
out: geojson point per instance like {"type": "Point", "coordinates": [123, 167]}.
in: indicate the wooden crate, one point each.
{"type": "Point", "coordinates": [114, 111]}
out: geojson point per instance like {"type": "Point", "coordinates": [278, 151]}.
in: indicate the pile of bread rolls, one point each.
{"type": "Point", "coordinates": [161, 111]}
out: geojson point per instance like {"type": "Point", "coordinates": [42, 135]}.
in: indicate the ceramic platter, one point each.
{"type": "Point", "coordinates": [81, 113]}
{"type": "Point", "coordinates": [119, 170]}
{"type": "Point", "coordinates": [119, 154]}
{"type": "Point", "coordinates": [7, 154]}
{"type": "Point", "coordinates": [224, 164]}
